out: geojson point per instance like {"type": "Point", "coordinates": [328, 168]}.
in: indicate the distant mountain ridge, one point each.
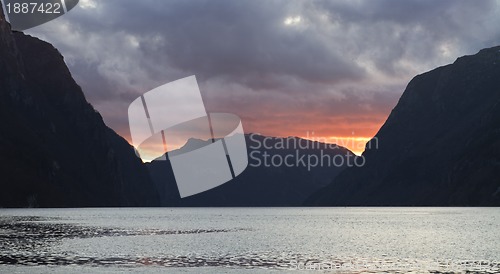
{"type": "Point", "coordinates": [55, 150]}
{"type": "Point", "coordinates": [440, 145]}
{"type": "Point", "coordinates": [259, 185]}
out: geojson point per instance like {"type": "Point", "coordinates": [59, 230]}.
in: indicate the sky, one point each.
{"type": "Point", "coordinates": [327, 70]}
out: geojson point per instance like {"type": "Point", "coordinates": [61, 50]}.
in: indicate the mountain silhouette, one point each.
{"type": "Point", "coordinates": [55, 150]}
{"type": "Point", "coordinates": [440, 145]}
{"type": "Point", "coordinates": [262, 183]}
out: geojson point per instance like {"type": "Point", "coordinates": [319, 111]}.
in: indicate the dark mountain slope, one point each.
{"type": "Point", "coordinates": [439, 146]}
{"type": "Point", "coordinates": [262, 183]}
{"type": "Point", "coordinates": [55, 150]}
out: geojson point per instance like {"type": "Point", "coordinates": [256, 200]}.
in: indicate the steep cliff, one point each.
{"type": "Point", "coordinates": [439, 146]}
{"type": "Point", "coordinates": [55, 150]}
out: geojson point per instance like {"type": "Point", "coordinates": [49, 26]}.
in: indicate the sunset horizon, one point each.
{"type": "Point", "coordinates": [293, 71]}
{"type": "Point", "coordinates": [223, 136]}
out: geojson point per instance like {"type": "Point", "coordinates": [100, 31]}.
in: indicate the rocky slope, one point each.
{"type": "Point", "coordinates": [440, 145]}
{"type": "Point", "coordinates": [55, 150]}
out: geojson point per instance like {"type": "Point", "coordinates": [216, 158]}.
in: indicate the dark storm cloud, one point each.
{"type": "Point", "coordinates": [416, 30]}
{"type": "Point", "coordinates": [231, 39]}
{"type": "Point", "coordinates": [278, 64]}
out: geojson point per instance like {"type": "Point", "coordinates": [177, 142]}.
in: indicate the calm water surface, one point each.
{"type": "Point", "coordinates": [193, 240]}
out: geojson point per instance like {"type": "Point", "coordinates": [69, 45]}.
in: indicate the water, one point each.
{"type": "Point", "coordinates": [234, 240]}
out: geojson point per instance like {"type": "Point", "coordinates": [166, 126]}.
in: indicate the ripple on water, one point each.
{"type": "Point", "coordinates": [28, 240]}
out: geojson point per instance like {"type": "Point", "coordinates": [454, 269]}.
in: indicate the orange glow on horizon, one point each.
{"type": "Point", "coordinates": [356, 144]}
{"type": "Point", "coordinates": [353, 136]}
{"type": "Point", "coordinates": [352, 132]}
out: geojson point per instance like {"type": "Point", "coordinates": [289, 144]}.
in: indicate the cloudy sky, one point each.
{"type": "Point", "coordinates": [331, 69]}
